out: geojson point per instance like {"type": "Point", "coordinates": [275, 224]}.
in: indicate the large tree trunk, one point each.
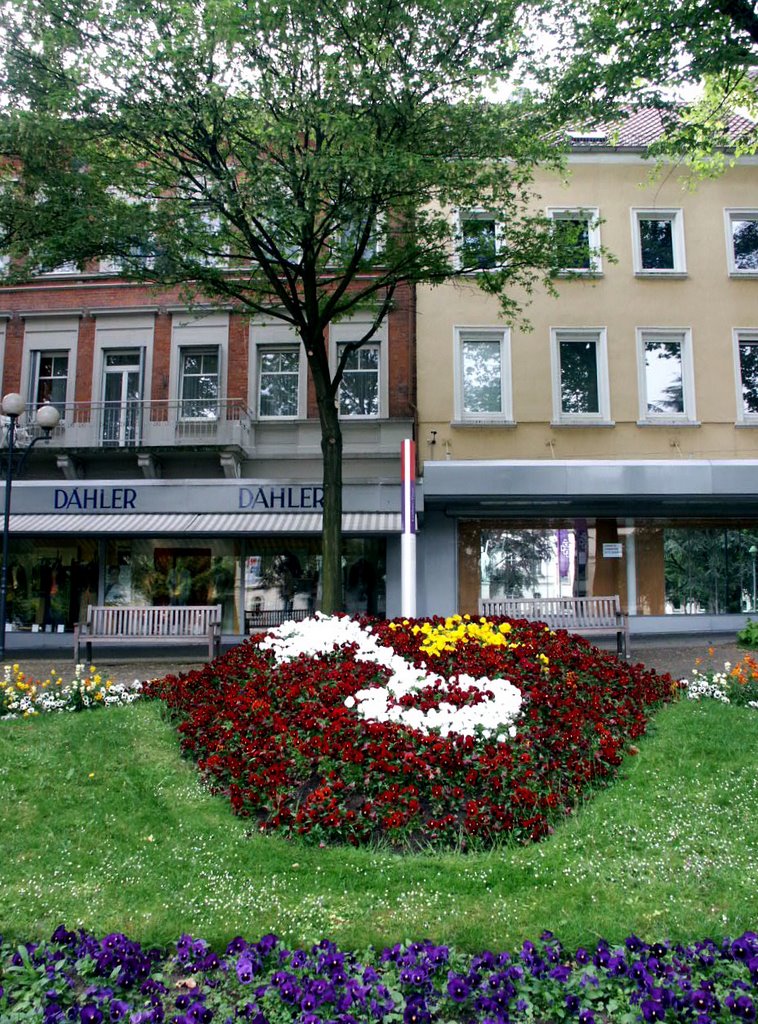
{"type": "Point", "coordinates": [331, 550]}
{"type": "Point", "coordinates": [331, 449]}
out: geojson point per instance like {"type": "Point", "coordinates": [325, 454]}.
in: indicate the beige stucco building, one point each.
{"type": "Point", "coordinates": [614, 447]}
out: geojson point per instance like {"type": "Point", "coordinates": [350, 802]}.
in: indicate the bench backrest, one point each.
{"type": "Point", "coordinates": [575, 613]}
{"type": "Point", "coordinates": [171, 620]}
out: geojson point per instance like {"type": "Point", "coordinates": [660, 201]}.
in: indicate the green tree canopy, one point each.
{"type": "Point", "coordinates": [297, 158]}
{"type": "Point", "coordinates": [696, 60]}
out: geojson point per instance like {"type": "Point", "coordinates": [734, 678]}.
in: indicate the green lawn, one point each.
{"type": "Point", "coordinates": [103, 825]}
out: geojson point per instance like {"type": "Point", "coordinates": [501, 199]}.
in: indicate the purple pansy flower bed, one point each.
{"type": "Point", "coordinates": [78, 977]}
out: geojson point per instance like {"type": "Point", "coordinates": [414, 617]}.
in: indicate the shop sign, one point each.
{"type": "Point", "coordinates": [94, 499]}
{"type": "Point", "coordinates": [288, 498]}
{"type": "Point", "coordinates": [255, 496]}
{"type": "Point", "coordinates": [613, 551]}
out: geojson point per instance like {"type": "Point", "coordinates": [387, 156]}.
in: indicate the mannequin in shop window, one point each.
{"type": "Point", "coordinates": [115, 591]}
{"type": "Point", "coordinates": [287, 571]}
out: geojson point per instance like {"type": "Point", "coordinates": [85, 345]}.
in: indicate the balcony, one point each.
{"type": "Point", "coordinates": [133, 423]}
{"type": "Point", "coordinates": [94, 437]}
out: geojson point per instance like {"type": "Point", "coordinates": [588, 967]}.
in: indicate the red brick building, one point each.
{"type": "Point", "coordinates": [187, 464]}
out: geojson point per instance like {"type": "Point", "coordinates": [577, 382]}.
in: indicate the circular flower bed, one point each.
{"type": "Point", "coordinates": [443, 732]}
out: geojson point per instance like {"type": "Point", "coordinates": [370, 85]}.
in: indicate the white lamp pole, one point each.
{"type": "Point", "coordinates": [47, 418]}
{"type": "Point", "coordinates": [408, 536]}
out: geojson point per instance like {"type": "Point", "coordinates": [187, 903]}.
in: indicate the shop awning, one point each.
{"type": "Point", "coordinates": [197, 523]}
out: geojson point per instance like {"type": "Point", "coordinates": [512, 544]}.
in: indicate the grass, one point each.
{"type": "Point", "coordinates": [104, 826]}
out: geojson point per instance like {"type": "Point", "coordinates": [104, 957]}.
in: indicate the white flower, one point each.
{"type": "Point", "coordinates": [323, 635]}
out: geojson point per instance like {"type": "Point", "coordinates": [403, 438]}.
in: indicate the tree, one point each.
{"type": "Point", "coordinates": [512, 560]}
{"type": "Point", "coordinates": [655, 52]}
{"type": "Point", "coordinates": [709, 568]}
{"type": "Point", "coordinates": [297, 158]}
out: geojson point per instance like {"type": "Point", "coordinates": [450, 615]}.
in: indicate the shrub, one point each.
{"type": "Point", "coordinates": [748, 635]}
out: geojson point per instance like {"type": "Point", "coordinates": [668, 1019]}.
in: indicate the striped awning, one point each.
{"type": "Point", "coordinates": [198, 523]}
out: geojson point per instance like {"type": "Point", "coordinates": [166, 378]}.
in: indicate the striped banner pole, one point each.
{"type": "Point", "coordinates": [408, 525]}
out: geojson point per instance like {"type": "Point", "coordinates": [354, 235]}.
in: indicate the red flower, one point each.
{"type": "Point", "coordinates": [279, 741]}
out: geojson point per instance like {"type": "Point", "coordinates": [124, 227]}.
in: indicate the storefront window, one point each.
{"type": "Point", "coordinates": [535, 562]}
{"type": "Point", "coordinates": [165, 572]}
{"type": "Point", "coordinates": [50, 583]}
{"type": "Point", "coordinates": [709, 569]}
{"type": "Point", "coordinates": [283, 576]}
{"type": "Point", "coordinates": [656, 567]}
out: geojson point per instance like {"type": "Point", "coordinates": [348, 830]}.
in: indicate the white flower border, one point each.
{"type": "Point", "coordinates": [495, 715]}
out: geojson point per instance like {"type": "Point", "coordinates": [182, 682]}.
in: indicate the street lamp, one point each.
{"type": "Point", "coordinates": [47, 418]}
{"type": "Point", "coordinates": [753, 551]}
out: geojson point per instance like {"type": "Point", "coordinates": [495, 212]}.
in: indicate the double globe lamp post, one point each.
{"type": "Point", "coordinates": [47, 419]}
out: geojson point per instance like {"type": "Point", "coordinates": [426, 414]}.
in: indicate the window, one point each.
{"type": "Point", "coordinates": [347, 239]}
{"type": "Point", "coordinates": [483, 375]}
{"type": "Point", "coordinates": [139, 255]}
{"type": "Point", "coordinates": [278, 382]}
{"type": "Point", "coordinates": [742, 241]}
{"type": "Point", "coordinates": [665, 367]}
{"type": "Point", "coordinates": [658, 242]}
{"type": "Point", "coordinates": [746, 343]}
{"type": "Point", "coordinates": [479, 239]}
{"type": "Point", "coordinates": [577, 234]}
{"type": "Point", "coordinates": [122, 397]}
{"type": "Point", "coordinates": [199, 387]}
{"type": "Point", "coordinates": [580, 376]}
{"type": "Point", "coordinates": [359, 390]}
{"type": "Point", "coordinates": [49, 360]}
{"type": "Point", "coordinates": [51, 379]}
{"type": "Point", "coordinates": [364, 390]}
{"type": "Point", "coordinates": [63, 269]}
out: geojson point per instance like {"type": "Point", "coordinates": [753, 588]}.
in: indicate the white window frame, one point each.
{"type": "Point", "coordinates": [683, 335]}
{"type": "Point", "coordinates": [730, 216]}
{"type": "Point", "coordinates": [600, 337]}
{"type": "Point", "coordinates": [376, 242]}
{"type": "Point", "coordinates": [265, 350]}
{"type": "Point", "coordinates": [676, 216]}
{"type": "Point", "coordinates": [47, 334]}
{"type": "Point", "coordinates": [465, 333]}
{"type": "Point", "coordinates": [369, 346]}
{"type": "Point", "coordinates": [265, 336]}
{"type": "Point", "coordinates": [67, 269]}
{"type": "Point", "coordinates": [590, 214]}
{"type": "Point", "coordinates": [353, 330]}
{"type": "Point", "coordinates": [476, 213]}
{"type": "Point", "coordinates": [201, 350]}
{"type": "Point", "coordinates": [115, 265]}
{"type": "Point", "coordinates": [203, 333]}
{"type": "Point", "coordinates": [739, 336]}
{"type": "Point", "coordinates": [122, 332]}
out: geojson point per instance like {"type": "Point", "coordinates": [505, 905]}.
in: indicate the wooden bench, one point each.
{"type": "Point", "coordinates": [589, 616]}
{"type": "Point", "coordinates": [173, 624]}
